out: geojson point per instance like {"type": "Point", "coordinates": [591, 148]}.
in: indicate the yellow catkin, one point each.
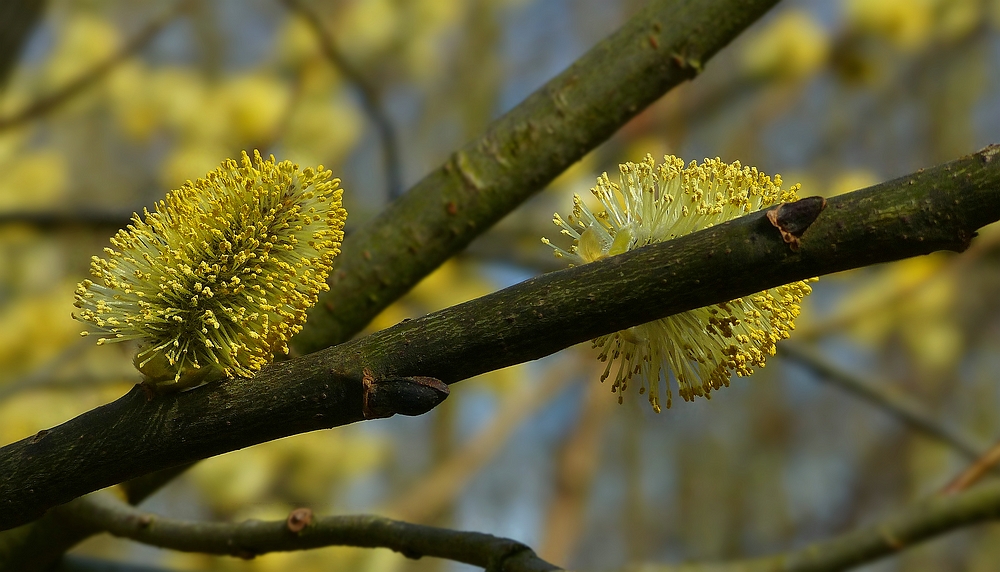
{"type": "Point", "coordinates": [700, 348]}
{"type": "Point", "coordinates": [220, 276]}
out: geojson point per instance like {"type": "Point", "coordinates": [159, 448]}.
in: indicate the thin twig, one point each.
{"type": "Point", "coordinates": [40, 545]}
{"type": "Point", "coordinates": [882, 395]}
{"type": "Point", "coordinates": [50, 219]}
{"type": "Point", "coordinates": [433, 493]}
{"type": "Point", "coordinates": [970, 476]}
{"type": "Point", "coordinates": [370, 97]}
{"type": "Point", "coordinates": [922, 521]}
{"type": "Point", "coordinates": [44, 374]}
{"type": "Point", "coordinates": [303, 531]}
{"type": "Point", "coordinates": [576, 467]}
{"type": "Point", "coordinates": [50, 102]}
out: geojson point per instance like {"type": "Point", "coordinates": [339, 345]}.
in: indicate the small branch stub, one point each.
{"type": "Point", "coordinates": [792, 219]}
{"type": "Point", "coordinates": [409, 396]}
{"type": "Point", "coordinates": [298, 519]}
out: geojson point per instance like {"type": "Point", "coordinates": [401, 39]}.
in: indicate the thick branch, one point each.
{"type": "Point", "coordinates": [302, 531]}
{"type": "Point", "coordinates": [666, 43]}
{"type": "Point", "coordinates": [935, 209]}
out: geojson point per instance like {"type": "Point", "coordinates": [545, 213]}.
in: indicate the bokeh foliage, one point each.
{"type": "Point", "coordinates": [835, 95]}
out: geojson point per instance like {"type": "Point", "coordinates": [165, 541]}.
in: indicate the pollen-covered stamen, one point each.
{"type": "Point", "coordinates": [701, 348]}
{"type": "Point", "coordinates": [220, 276]}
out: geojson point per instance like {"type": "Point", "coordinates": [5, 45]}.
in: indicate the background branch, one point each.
{"type": "Point", "coordinates": [17, 22]}
{"type": "Point", "coordinates": [925, 520]}
{"type": "Point", "coordinates": [934, 209]}
{"type": "Point", "coordinates": [253, 537]}
{"type": "Point", "coordinates": [432, 494]}
{"type": "Point", "coordinates": [48, 103]}
{"type": "Point", "coordinates": [39, 545]}
{"type": "Point", "coordinates": [370, 98]}
{"type": "Point", "coordinates": [883, 396]}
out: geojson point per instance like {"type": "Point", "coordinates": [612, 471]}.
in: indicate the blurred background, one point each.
{"type": "Point", "coordinates": [835, 95]}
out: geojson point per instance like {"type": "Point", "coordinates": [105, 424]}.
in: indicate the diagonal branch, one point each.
{"type": "Point", "coordinates": [663, 45]}
{"type": "Point", "coordinates": [922, 521]}
{"type": "Point", "coordinates": [17, 22]}
{"type": "Point", "coordinates": [302, 531]}
{"type": "Point", "coordinates": [899, 405]}
{"type": "Point", "coordinates": [935, 209]}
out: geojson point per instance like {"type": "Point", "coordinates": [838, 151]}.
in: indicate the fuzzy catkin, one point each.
{"type": "Point", "coordinates": [217, 279]}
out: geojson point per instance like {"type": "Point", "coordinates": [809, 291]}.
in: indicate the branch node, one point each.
{"type": "Point", "coordinates": [404, 395]}
{"type": "Point", "coordinates": [792, 219]}
{"type": "Point", "coordinates": [298, 519]}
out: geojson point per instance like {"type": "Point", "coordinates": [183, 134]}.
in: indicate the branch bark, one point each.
{"type": "Point", "coordinates": [927, 519]}
{"type": "Point", "coordinates": [935, 209]}
{"type": "Point", "coordinates": [665, 44]}
{"type": "Point", "coordinates": [302, 531]}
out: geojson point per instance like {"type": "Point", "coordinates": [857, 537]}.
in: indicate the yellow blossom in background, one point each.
{"type": "Point", "coordinates": [699, 348]}
{"type": "Point", "coordinates": [432, 19]}
{"type": "Point", "coordinates": [323, 129]}
{"type": "Point", "coordinates": [912, 301]}
{"type": "Point", "coordinates": [957, 18]}
{"type": "Point", "coordinates": [367, 27]}
{"type": "Point", "coordinates": [296, 41]}
{"type": "Point", "coordinates": [83, 41]}
{"type": "Point", "coordinates": [851, 180]}
{"type": "Point", "coordinates": [136, 104]}
{"type": "Point", "coordinates": [306, 466]}
{"type": "Point", "coordinates": [255, 104]}
{"type": "Point", "coordinates": [905, 23]}
{"type": "Point", "coordinates": [183, 97]}
{"type": "Point", "coordinates": [220, 276]}
{"type": "Point", "coordinates": [189, 159]}
{"type": "Point", "coordinates": [34, 330]}
{"type": "Point", "coordinates": [793, 45]}
{"type": "Point", "coordinates": [33, 180]}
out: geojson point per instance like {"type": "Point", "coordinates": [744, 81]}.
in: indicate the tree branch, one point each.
{"type": "Point", "coordinates": [17, 22]}
{"type": "Point", "coordinates": [935, 209]}
{"type": "Point", "coordinates": [666, 43]}
{"type": "Point", "coordinates": [927, 519]}
{"type": "Point", "coordinates": [38, 546]}
{"type": "Point", "coordinates": [302, 531]}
